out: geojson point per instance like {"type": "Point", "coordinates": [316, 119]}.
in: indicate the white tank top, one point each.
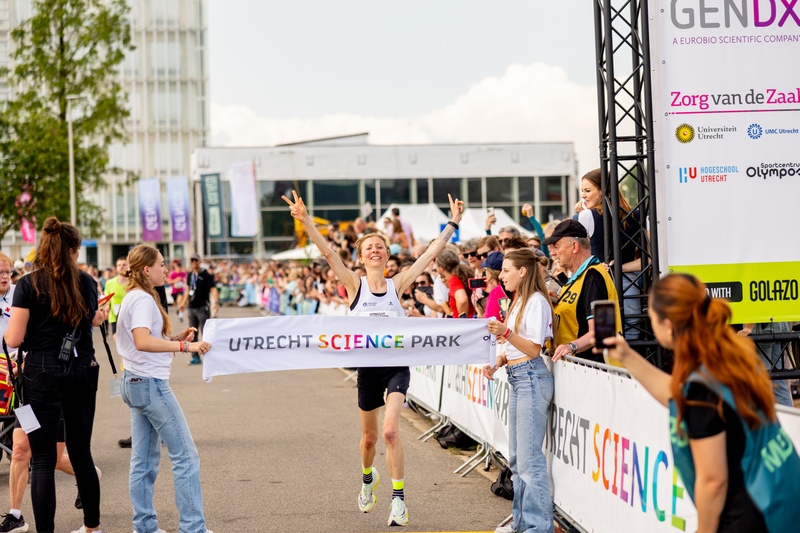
{"type": "Point", "coordinates": [384, 305]}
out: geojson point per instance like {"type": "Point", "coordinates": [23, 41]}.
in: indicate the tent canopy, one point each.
{"type": "Point", "coordinates": [473, 223]}
{"type": "Point", "coordinates": [309, 252]}
{"type": "Point", "coordinates": [425, 219]}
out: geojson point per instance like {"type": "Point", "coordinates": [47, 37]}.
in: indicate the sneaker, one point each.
{"type": "Point", "coordinates": [508, 528]}
{"type": "Point", "coordinates": [124, 443]}
{"type": "Point", "coordinates": [12, 524]}
{"type": "Point", "coordinates": [195, 360]}
{"type": "Point", "coordinates": [83, 530]}
{"type": "Point", "coordinates": [159, 530]}
{"type": "Point", "coordinates": [399, 516]}
{"type": "Point", "coordinates": [367, 498]}
{"type": "Point", "coordinates": [180, 317]}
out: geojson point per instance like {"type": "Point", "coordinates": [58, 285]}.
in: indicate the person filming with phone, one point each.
{"type": "Point", "coordinates": [589, 281]}
{"type": "Point", "coordinates": [736, 461]}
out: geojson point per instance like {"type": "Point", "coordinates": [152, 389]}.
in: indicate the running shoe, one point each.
{"type": "Point", "coordinates": [508, 528]}
{"type": "Point", "coordinates": [195, 360]}
{"type": "Point", "coordinates": [12, 524]}
{"type": "Point", "coordinates": [124, 443]}
{"type": "Point", "coordinates": [367, 498]}
{"type": "Point", "coordinates": [399, 516]}
{"type": "Point", "coordinates": [83, 530]}
{"type": "Point", "coordinates": [159, 530]}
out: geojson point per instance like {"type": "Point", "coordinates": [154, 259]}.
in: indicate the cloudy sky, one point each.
{"type": "Point", "coordinates": [409, 71]}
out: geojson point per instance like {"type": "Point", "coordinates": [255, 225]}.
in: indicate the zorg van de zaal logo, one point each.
{"type": "Point", "coordinates": [684, 133]}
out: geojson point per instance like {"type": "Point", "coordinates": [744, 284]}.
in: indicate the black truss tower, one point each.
{"type": "Point", "coordinates": [625, 119]}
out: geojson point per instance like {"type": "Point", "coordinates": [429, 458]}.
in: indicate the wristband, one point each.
{"type": "Point", "coordinates": [451, 223]}
{"type": "Point", "coordinates": [508, 333]}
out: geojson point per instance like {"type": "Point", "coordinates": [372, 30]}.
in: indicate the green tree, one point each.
{"type": "Point", "coordinates": [67, 48]}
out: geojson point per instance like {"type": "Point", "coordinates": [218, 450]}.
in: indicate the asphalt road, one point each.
{"type": "Point", "coordinates": [279, 453]}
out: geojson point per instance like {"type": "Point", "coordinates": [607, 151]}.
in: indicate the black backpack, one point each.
{"type": "Point", "coordinates": [451, 436]}
{"type": "Point", "coordinates": [504, 486]}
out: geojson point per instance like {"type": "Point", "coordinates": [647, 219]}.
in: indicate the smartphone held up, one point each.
{"type": "Point", "coordinates": [605, 321]}
{"type": "Point", "coordinates": [477, 283]}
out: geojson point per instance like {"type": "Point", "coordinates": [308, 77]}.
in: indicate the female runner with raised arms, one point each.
{"type": "Point", "coordinates": [382, 295]}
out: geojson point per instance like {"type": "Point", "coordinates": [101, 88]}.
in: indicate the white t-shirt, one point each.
{"type": "Point", "coordinates": [139, 310]}
{"type": "Point", "coordinates": [536, 325]}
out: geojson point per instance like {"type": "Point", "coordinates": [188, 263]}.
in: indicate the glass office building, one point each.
{"type": "Point", "coordinates": [166, 78]}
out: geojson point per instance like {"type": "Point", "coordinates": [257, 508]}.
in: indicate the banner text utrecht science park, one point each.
{"type": "Point", "coordinates": [293, 343]}
{"type": "Point", "coordinates": [727, 118]}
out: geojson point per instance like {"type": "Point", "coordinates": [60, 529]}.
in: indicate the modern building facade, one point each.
{"type": "Point", "coordinates": [338, 177]}
{"type": "Point", "coordinates": [166, 78]}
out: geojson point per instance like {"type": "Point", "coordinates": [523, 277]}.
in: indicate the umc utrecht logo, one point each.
{"type": "Point", "coordinates": [754, 131]}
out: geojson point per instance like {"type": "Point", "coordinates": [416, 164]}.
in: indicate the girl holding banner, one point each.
{"type": "Point", "coordinates": [526, 328]}
{"type": "Point", "coordinates": [145, 341]}
{"type": "Point", "coordinates": [378, 296]}
{"type": "Point", "coordinates": [735, 460]}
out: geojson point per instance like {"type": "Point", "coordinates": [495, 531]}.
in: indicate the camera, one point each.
{"type": "Point", "coordinates": [67, 348]}
{"type": "Point", "coordinates": [427, 289]}
{"type": "Point", "coordinates": [477, 283]}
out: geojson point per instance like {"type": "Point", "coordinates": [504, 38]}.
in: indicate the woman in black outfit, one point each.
{"type": "Point", "coordinates": [53, 301]}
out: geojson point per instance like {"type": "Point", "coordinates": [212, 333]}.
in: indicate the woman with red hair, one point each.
{"type": "Point", "coordinates": [736, 461]}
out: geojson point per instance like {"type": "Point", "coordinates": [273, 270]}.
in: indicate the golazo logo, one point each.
{"type": "Point", "coordinates": [684, 173]}
{"type": "Point", "coordinates": [711, 13]}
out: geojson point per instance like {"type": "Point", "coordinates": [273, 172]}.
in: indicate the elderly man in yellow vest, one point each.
{"type": "Point", "coordinates": [589, 282]}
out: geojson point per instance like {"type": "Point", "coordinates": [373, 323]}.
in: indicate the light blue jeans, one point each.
{"type": "Point", "coordinates": [156, 416]}
{"type": "Point", "coordinates": [780, 387]}
{"type": "Point", "coordinates": [531, 394]}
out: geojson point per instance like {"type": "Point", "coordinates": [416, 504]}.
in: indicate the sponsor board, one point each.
{"type": "Point", "coordinates": [727, 118]}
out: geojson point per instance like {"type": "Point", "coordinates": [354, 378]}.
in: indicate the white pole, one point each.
{"type": "Point", "coordinates": [73, 214]}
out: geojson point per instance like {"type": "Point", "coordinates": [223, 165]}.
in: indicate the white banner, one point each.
{"type": "Point", "coordinates": [611, 455]}
{"type": "Point", "coordinates": [477, 405]}
{"type": "Point", "coordinates": [426, 386]}
{"type": "Point", "coordinates": [303, 342]}
{"type": "Point", "coordinates": [726, 111]}
{"type": "Point", "coordinates": [244, 200]}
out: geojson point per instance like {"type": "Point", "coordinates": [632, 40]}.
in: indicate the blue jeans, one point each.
{"type": "Point", "coordinates": [156, 416]}
{"type": "Point", "coordinates": [769, 353]}
{"type": "Point", "coordinates": [531, 394]}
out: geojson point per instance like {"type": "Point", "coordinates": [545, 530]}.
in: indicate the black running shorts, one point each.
{"type": "Point", "coordinates": [374, 382]}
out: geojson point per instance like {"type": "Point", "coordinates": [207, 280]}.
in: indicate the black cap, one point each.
{"type": "Point", "coordinates": [566, 228]}
{"type": "Point", "coordinates": [494, 261]}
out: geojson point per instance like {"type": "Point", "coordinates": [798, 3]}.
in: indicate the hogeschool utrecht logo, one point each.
{"type": "Point", "coordinates": [706, 174]}
{"type": "Point", "coordinates": [684, 133]}
{"type": "Point", "coordinates": [686, 173]}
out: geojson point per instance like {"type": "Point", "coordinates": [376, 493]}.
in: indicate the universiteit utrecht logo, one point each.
{"type": "Point", "coordinates": [684, 133]}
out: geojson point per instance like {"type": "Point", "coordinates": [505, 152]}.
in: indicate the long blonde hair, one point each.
{"type": "Point", "coordinates": [530, 284]}
{"type": "Point", "coordinates": [138, 258]}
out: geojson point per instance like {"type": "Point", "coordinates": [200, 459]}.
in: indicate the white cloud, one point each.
{"type": "Point", "coordinates": [527, 103]}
